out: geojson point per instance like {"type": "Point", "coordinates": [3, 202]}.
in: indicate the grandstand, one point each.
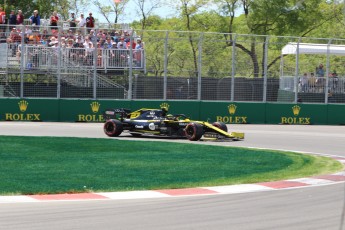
{"type": "Point", "coordinates": [67, 62]}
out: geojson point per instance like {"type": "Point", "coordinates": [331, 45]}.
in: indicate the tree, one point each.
{"type": "Point", "coordinates": [228, 8]}
{"type": "Point", "coordinates": [44, 7]}
{"type": "Point", "coordinates": [79, 6]}
{"type": "Point", "coordinates": [274, 17]}
{"type": "Point", "coordinates": [317, 18]}
{"type": "Point", "coordinates": [188, 9]}
{"type": "Point", "coordinates": [111, 6]}
{"type": "Point", "coordinates": [145, 9]}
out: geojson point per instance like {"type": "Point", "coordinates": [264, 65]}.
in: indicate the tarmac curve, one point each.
{"type": "Point", "coordinates": [280, 206]}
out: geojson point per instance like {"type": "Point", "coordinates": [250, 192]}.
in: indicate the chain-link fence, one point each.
{"type": "Point", "coordinates": [133, 64]}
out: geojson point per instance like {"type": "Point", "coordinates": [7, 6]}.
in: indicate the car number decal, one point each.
{"type": "Point", "coordinates": [152, 126]}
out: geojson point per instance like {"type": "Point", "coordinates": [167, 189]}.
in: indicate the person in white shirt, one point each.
{"type": "Point", "coordinates": [121, 44]}
{"type": "Point", "coordinates": [87, 43]}
{"type": "Point", "coordinates": [82, 23]}
{"type": "Point", "coordinates": [89, 48]}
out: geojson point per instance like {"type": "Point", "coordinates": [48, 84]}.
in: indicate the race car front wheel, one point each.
{"type": "Point", "coordinates": [194, 131]}
{"type": "Point", "coordinates": [113, 128]}
{"type": "Point", "coordinates": [220, 125]}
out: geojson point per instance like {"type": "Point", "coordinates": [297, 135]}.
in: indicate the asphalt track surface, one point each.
{"type": "Point", "coordinates": [316, 207]}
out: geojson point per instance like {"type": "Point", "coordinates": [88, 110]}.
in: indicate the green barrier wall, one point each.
{"type": "Point", "coordinates": [87, 110]}
{"type": "Point", "coordinates": [233, 113]}
{"type": "Point", "coordinates": [302, 114]}
{"type": "Point", "coordinates": [65, 110]}
{"type": "Point", "coordinates": [29, 110]}
{"type": "Point", "coordinates": [336, 114]}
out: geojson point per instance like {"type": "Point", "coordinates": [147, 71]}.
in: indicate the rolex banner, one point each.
{"type": "Point", "coordinates": [29, 110]}
{"type": "Point", "coordinates": [68, 110]}
{"type": "Point", "coordinates": [233, 112]}
{"type": "Point", "coordinates": [297, 114]}
{"type": "Point", "coordinates": [88, 110]}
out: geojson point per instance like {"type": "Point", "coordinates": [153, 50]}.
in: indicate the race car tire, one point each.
{"type": "Point", "coordinates": [220, 125]}
{"type": "Point", "coordinates": [194, 131]}
{"type": "Point", "coordinates": [113, 128]}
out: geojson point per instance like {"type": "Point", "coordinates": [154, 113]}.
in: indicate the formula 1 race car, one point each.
{"type": "Point", "coordinates": [157, 122]}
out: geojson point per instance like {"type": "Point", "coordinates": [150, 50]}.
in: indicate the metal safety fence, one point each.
{"type": "Point", "coordinates": [170, 65]}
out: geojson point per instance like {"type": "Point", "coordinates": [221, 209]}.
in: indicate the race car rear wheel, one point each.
{"type": "Point", "coordinates": [113, 128]}
{"type": "Point", "coordinates": [194, 131]}
{"type": "Point", "coordinates": [220, 125]}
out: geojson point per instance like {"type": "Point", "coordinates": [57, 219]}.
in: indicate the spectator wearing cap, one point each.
{"type": "Point", "coordinates": [52, 42]}
{"type": "Point", "coordinates": [72, 22]}
{"type": "Point", "coordinates": [14, 36]}
{"type": "Point", "coordinates": [70, 43]}
{"type": "Point", "coordinates": [139, 45]}
{"type": "Point", "coordinates": [70, 34]}
{"type": "Point", "coordinates": [90, 22]}
{"type": "Point", "coordinates": [13, 40]}
{"type": "Point", "coordinates": [121, 44]}
{"type": "Point", "coordinates": [35, 20]}
{"type": "Point", "coordinates": [116, 36]}
{"type": "Point", "coordinates": [63, 42]}
{"type": "Point", "coordinates": [92, 35]}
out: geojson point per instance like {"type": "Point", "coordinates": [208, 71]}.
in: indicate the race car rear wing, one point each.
{"type": "Point", "coordinates": [116, 113]}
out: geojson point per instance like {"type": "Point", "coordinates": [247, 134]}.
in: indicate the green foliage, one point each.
{"type": "Point", "coordinates": [45, 8]}
{"type": "Point", "coordinates": [264, 17]}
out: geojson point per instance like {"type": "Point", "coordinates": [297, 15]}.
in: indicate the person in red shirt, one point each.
{"type": "Point", "coordinates": [20, 18]}
{"type": "Point", "coordinates": [2, 16]}
{"type": "Point", "coordinates": [54, 21]}
{"type": "Point", "coordinates": [15, 36]}
{"type": "Point", "coordinates": [2, 20]}
{"type": "Point", "coordinates": [90, 22]}
{"type": "Point", "coordinates": [13, 40]}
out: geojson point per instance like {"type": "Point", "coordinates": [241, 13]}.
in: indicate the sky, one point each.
{"type": "Point", "coordinates": [164, 11]}
{"type": "Point", "coordinates": [131, 14]}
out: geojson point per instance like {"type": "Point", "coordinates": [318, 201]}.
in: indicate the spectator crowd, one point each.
{"type": "Point", "coordinates": [317, 82]}
{"type": "Point", "coordinates": [78, 41]}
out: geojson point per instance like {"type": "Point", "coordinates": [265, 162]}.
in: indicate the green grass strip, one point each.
{"type": "Point", "coordinates": [45, 165]}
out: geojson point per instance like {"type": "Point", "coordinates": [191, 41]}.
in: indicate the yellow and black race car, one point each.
{"type": "Point", "coordinates": [158, 122]}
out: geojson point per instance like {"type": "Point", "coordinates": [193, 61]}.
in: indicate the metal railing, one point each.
{"type": "Point", "coordinates": [46, 58]}
{"type": "Point", "coordinates": [180, 65]}
{"type": "Point", "coordinates": [313, 84]}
